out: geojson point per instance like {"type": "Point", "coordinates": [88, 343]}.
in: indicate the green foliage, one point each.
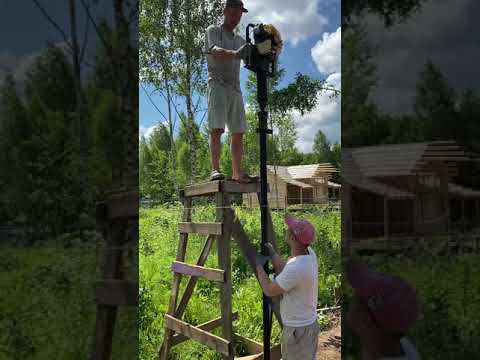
{"type": "Point", "coordinates": [448, 327]}
{"type": "Point", "coordinates": [47, 308]}
{"type": "Point", "coordinates": [390, 11]}
{"type": "Point", "coordinates": [158, 245]}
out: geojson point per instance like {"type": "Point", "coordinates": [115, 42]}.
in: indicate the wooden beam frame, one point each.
{"type": "Point", "coordinates": [207, 326]}
{"type": "Point", "coordinates": [212, 341]}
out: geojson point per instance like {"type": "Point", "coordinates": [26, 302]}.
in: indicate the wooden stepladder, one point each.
{"type": "Point", "coordinates": [222, 230]}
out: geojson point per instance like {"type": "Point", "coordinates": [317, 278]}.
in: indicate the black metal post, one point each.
{"type": "Point", "coordinates": [262, 97]}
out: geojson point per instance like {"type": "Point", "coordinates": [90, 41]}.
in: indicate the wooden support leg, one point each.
{"type": "Point", "coordinates": [224, 263]}
{"type": "Point", "coordinates": [182, 247]}
{"type": "Point", "coordinates": [106, 314]}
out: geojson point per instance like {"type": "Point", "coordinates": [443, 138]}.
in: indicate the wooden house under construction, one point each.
{"type": "Point", "coordinates": [405, 191]}
{"type": "Point", "coordinates": [298, 185]}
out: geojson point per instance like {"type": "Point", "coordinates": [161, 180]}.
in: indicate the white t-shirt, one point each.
{"type": "Point", "coordinates": [409, 349]}
{"type": "Point", "coordinates": [299, 279]}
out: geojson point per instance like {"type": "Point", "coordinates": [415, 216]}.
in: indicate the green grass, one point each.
{"type": "Point", "coordinates": [449, 294]}
{"type": "Point", "coordinates": [158, 246]}
{"type": "Point", "coordinates": [47, 308]}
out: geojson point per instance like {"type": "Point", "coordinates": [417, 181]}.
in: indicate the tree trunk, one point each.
{"type": "Point", "coordinates": [126, 89]}
{"type": "Point", "coordinates": [190, 121]}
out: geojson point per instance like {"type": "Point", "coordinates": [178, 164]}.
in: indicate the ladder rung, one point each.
{"type": "Point", "coordinates": [195, 270]}
{"type": "Point", "coordinates": [200, 228]}
{"type": "Point", "coordinates": [215, 342]}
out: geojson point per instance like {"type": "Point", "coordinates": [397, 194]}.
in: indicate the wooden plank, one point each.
{"type": "Point", "coordinates": [200, 228]}
{"type": "Point", "coordinates": [123, 205]}
{"type": "Point", "coordinates": [275, 354]}
{"type": "Point", "coordinates": [206, 188]}
{"type": "Point", "coordinates": [117, 292]}
{"type": "Point", "coordinates": [252, 346]}
{"type": "Point", "coordinates": [235, 187]}
{"type": "Point", "coordinates": [199, 271]}
{"type": "Point", "coordinates": [212, 341]}
{"type": "Point", "coordinates": [250, 357]}
{"type": "Point", "coordinates": [208, 326]}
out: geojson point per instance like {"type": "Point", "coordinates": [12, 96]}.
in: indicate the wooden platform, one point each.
{"type": "Point", "coordinates": [221, 186]}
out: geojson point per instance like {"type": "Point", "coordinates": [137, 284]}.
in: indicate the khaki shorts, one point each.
{"type": "Point", "coordinates": [300, 343]}
{"type": "Point", "coordinates": [225, 107]}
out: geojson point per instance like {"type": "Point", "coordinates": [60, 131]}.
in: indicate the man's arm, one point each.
{"type": "Point", "coordinates": [269, 288]}
{"type": "Point", "coordinates": [221, 54]}
{"type": "Point", "coordinates": [278, 263]}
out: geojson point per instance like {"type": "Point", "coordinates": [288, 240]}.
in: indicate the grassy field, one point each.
{"type": "Point", "coordinates": [449, 294]}
{"type": "Point", "coordinates": [158, 243]}
{"type": "Point", "coordinates": [47, 308]}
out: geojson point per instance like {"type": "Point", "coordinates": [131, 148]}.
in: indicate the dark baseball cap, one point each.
{"type": "Point", "coordinates": [236, 4]}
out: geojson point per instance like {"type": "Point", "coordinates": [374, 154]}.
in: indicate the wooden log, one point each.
{"type": "Point", "coordinates": [198, 271]}
{"type": "Point", "coordinates": [117, 292]}
{"type": "Point", "coordinates": [208, 326]}
{"type": "Point", "coordinates": [200, 228]}
{"type": "Point", "coordinates": [212, 341]}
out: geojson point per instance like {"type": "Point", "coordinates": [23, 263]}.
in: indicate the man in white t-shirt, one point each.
{"type": "Point", "coordinates": [297, 281]}
{"type": "Point", "coordinates": [382, 309]}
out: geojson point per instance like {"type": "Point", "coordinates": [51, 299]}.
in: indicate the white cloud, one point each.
{"type": "Point", "coordinates": [295, 19]}
{"type": "Point", "coordinates": [327, 53]}
{"type": "Point", "coordinates": [19, 66]}
{"type": "Point", "coordinates": [325, 116]}
{"type": "Point", "coordinates": [146, 131]}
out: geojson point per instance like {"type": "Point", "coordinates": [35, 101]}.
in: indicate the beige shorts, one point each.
{"type": "Point", "coordinates": [225, 107]}
{"type": "Point", "coordinates": [300, 343]}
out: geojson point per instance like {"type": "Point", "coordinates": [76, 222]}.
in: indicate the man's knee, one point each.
{"type": "Point", "coordinates": [237, 136]}
{"type": "Point", "coordinates": [217, 132]}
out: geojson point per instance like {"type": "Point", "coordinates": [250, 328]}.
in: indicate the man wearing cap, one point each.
{"type": "Point", "coordinates": [225, 102]}
{"type": "Point", "coordinates": [297, 282]}
{"type": "Point", "coordinates": [383, 308]}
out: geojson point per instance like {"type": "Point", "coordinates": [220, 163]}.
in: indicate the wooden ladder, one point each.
{"type": "Point", "coordinates": [222, 230]}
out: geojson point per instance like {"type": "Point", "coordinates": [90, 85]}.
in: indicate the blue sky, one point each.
{"type": "Point", "coordinates": [312, 47]}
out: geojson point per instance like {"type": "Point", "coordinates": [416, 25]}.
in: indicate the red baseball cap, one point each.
{"type": "Point", "coordinates": [303, 231]}
{"type": "Point", "coordinates": [391, 301]}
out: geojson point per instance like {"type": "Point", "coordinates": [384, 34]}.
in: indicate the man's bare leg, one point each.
{"type": "Point", "coordinates": [216, 147]}
{"type": "Point", "coordinates": [236, 147]}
